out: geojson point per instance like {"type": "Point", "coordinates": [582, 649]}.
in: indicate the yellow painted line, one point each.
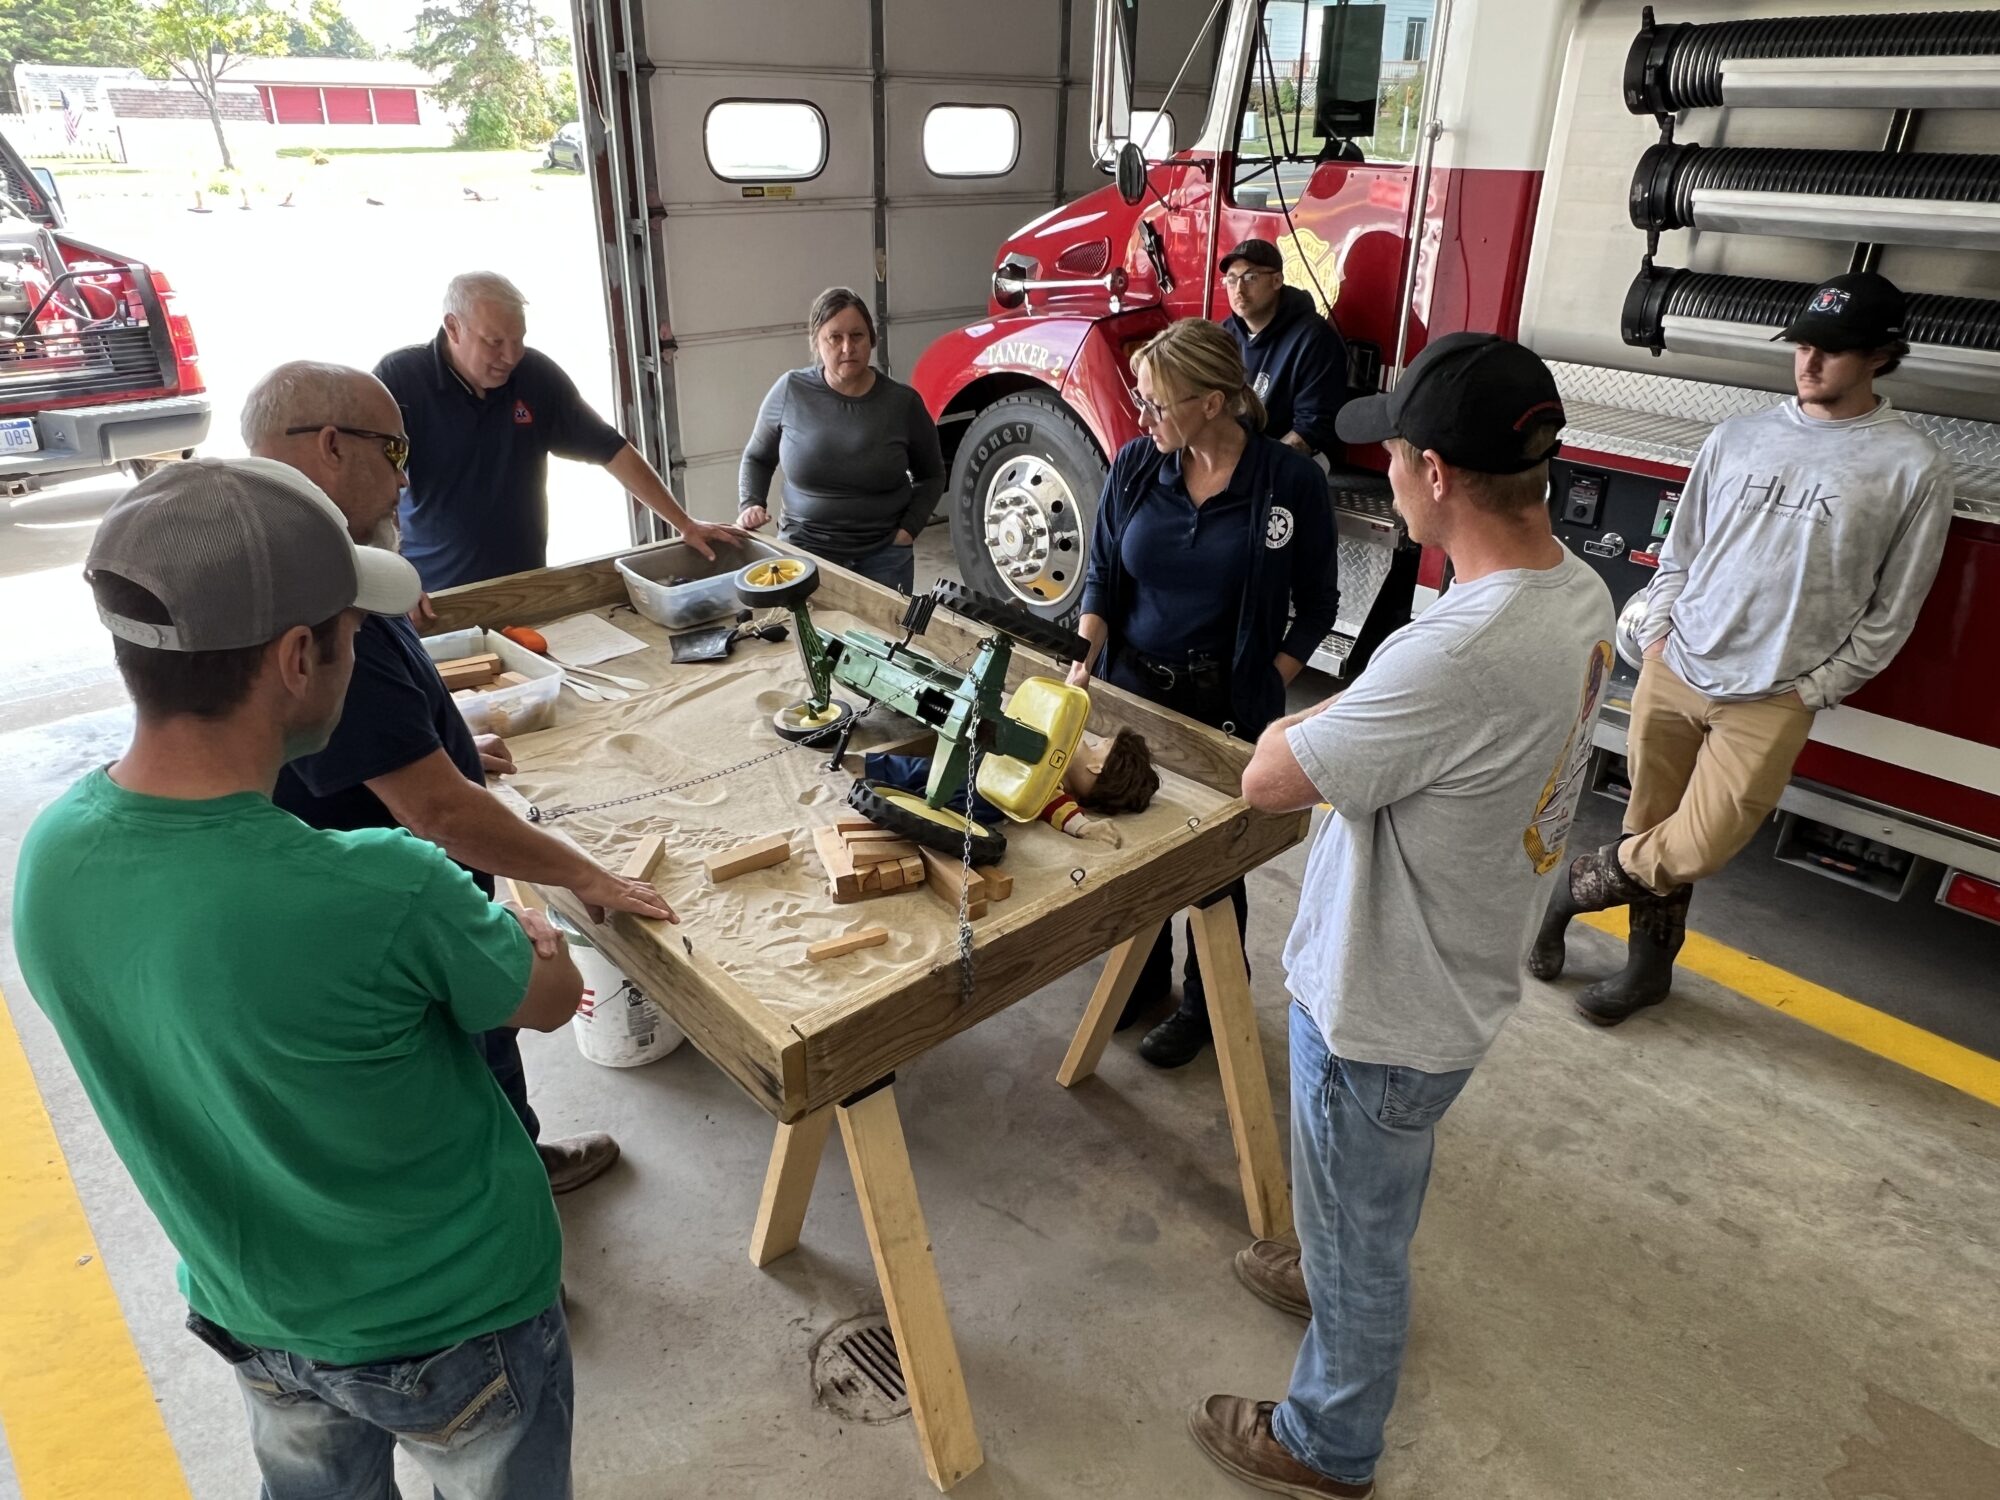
{"type": "Point", "coordinates": [1901, 1043]}
{"type": "Point", "coordinates": [77, 1408]}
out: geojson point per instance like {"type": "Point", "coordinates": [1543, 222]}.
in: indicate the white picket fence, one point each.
{"type": "Point", "coordinates": [42, 135]}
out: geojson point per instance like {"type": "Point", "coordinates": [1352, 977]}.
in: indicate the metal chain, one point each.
{"type": "Point", "coordinates": [819, 737]}
{"type": "Point", "coordinates": [965, 862]}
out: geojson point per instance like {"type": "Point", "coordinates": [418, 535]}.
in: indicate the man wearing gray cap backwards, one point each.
{"type": "Point", "coordinates": [254, 1008]}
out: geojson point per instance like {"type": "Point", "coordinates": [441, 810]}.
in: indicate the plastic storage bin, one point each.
{"type": "Point", "coordinates": [520, 709]}
{"type": "Point", "coordinates": [676, 587]}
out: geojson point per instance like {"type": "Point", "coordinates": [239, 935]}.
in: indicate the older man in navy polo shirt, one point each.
{"type": "Point", "coordinates": [484, 412]}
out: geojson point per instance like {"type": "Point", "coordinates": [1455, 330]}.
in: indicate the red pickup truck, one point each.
{"type": "Point", "coordinates": [97, 369]}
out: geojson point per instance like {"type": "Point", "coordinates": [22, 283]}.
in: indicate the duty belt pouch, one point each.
{"type": "Point", "coordinates": [218, 1338]}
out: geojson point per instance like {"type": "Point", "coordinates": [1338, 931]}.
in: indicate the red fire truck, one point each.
{"type": "Point", "coordinates": [1643, 198]}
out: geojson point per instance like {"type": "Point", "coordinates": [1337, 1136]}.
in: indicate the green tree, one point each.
{"type": "Point", "coordinates": [485, 55]}
{"type": "Point", "coordinates": [80, 33]}
{"type": "Point", "coordinates": [201, 41]}
{"type": "Point", "coordinates": [324, 30]}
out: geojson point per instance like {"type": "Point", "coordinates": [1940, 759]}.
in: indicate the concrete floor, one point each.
{"type": "Point", "coordinates": [1711, 1253]}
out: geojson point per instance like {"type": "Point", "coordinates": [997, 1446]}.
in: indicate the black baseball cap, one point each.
{"type": "Point", "coordinates": [1860, 310]}
{"type": "Point", "coordinates": [1470, 397]}
{"type": "Point", "coordinates": [1257, 252]}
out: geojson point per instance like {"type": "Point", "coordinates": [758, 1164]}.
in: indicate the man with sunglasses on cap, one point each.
{"type": "Point", "coordinates": [402, 755]}
{"type": "Point", "coordinates": [1451, 767]}
{"type": "Point", "coordinates": [1295, 357]}
{"type": "Point", "coordinates": [273, 1022]}
{"type": "Point", "coordinates": [1806, 539]}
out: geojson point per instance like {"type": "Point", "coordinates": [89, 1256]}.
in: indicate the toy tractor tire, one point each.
{"type": "Point", "coordinates": [935, 828]}
{"type": "Point", "coordinates": [1029, 629]}
{"type": "Point", "coordinates": [797, 724]}
{"type": "Point", "coordinates": [777, 582]}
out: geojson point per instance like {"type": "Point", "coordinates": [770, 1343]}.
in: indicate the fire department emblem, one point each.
{"type": "Point", "coordinates": [1311, 265]}
{"type": "Point", "coordinates": [1278, 530]}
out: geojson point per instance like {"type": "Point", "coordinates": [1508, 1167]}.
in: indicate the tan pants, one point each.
{"type": "Point", "coordinates": [1705, 774]}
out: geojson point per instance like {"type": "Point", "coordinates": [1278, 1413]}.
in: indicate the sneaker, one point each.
{"type": "Point", "coordinates": [1236, 1432]}
{"type": "Point", "coordinates": [576, 1159]}
{"type": "Point", "coordinates": [1178, 1040]}
{"type": "Point", "coordinates": [1270, 1268]}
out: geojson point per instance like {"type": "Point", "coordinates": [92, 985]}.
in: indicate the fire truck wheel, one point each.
{"type": "Point", "coordinates": [1024, 486]}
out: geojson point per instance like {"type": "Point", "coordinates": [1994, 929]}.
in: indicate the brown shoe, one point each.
{"type": "Point", "coordinates": [1236, 1432]}
{"type": "Point", "coordinates": [1270, 1268]}
{"type": "Point", "coordinates": [577, 1159]}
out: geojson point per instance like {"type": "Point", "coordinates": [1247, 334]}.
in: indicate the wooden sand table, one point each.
{"type": "Point", "coordinates": [813, 1041]}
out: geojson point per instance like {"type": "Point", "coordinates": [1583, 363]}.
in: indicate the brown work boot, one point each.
{"type": "Point", "coordinates": [1236, 1432]}
{"type": "Point", "coordinates": [577, 1159]}
{"type": "Point", "coordinates": [1270, 1268]}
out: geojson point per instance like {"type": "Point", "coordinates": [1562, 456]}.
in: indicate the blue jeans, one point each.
{"type": "Point", "coordinates": [1361, 1159]}
{"type": "Point", "coordinates": [892, 565]}
{"type": "Point", "coordinates": [488, 1419]}
{"type": "Point", "coordinates": [501, 1047]}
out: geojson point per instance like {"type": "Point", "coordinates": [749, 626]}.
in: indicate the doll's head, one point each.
{"type": "Point", "coordinates": [1113, 776]}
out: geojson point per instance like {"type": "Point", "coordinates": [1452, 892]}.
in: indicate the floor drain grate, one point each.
{"type": "Point", "coordinates": [857, 1372]}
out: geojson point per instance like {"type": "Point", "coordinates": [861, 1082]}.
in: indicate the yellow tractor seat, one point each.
{"type": "Point", "coordinates": [1019, 788]}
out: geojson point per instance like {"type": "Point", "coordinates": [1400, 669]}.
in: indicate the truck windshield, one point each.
{"type": "Point", "coordinates": [1327, 72]}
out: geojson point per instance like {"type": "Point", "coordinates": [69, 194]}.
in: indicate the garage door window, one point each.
{"type": "Point", "coordinates": [764, 140]}
{"type": "Point", "coordinates": [971, 140]}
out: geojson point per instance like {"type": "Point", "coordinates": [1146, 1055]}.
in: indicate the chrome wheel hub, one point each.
{"type": "Point", "coordinates": [1034, 531]}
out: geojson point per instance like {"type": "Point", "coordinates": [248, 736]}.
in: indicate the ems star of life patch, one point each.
{"type": "Point", "coordinates": [1278, 529]}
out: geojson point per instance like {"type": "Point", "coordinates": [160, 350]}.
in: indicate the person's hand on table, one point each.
{"type": "Point", "coordinates": [541, 932]}
{"type": "Point", "coordinates": [603, 891]}
{"type": "Point", "coordinates": [751, 517]}
{"type": "Point", "coordinates": [706, 536]}
{"type": "Point", "coordinates": [423, 614]}
{"type": "Point", "coordinates": [495, 759]}
{"type": "Point", "coordinates": [1079, 673]}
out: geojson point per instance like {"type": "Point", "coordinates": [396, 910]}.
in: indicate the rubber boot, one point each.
{"type": "Point", "coordinates": [1594, 882]}
{"type": "Point", "coordinates": [1659, 927]}
{"type": "Point", "coordinates": [1178, 1040]}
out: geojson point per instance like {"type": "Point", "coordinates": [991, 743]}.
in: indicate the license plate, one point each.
{"type": "Point", "coordinates": [17, 435]}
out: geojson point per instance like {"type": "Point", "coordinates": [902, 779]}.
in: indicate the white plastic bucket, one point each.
{"type": "Point", "coordinates": [616, 1025]}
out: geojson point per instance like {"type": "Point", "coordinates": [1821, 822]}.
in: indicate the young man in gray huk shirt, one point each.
{"type": "Point", "coordinates": [1452, 768]}
{"type": "Point", "coordinates": [1806, 539]}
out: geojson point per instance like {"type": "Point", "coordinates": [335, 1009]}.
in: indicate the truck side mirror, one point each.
{"type": "Point", "coordinates": [1350, 71]}
{"type": "Point", "coordinates": [1131, 174]}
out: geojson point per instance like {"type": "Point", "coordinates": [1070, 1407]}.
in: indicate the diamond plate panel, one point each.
{"type": "Point", "coordinates": [1364, 568]}
{"type": "Point", "coordinates": [1664, 419]}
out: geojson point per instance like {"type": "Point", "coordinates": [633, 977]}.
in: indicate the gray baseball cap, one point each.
{"type": "Point", "coordinates": [240, 550]}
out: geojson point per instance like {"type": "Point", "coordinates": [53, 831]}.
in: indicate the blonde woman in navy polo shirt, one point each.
{"type": "Point", "coordinates": [1211, 581]}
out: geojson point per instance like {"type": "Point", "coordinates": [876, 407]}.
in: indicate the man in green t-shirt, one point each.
{"type": "Point", "coordinates": [274, 1023]}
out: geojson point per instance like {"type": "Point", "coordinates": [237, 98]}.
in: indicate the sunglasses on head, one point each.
{"type": "Point", "coordinates": [395, 447]}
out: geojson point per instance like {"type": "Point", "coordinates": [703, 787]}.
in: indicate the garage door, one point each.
{"type": "Point", "coordinates": [757, 152]}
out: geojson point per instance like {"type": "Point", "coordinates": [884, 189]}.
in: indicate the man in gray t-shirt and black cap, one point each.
{"type": "Point", "coordinates": [1806, 539]}
{"type": "Point", "coordinates": [1452, 768]}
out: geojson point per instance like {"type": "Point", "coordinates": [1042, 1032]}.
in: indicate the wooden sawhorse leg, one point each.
{"type": "Point", "coordinates": [1100, 1017]}
{"type": "Point", "coordinates": [788, 1186]}
{"type": "Point", "coordinates": [1239, 1055]}
{"type": "Point", "coordinates": [879, 1159]}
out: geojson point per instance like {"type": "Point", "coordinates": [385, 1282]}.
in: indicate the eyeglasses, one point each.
{"type": "Point", "coordinates": [395, 447]}
{"type": "Point", "coordinates": [1156, 411]}
{"type": "Point", "coordinates": [1237, 279]}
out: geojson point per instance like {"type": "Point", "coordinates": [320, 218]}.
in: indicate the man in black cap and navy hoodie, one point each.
{"type": "Point", "coordinates": [1295, 357]}
{"type": "Point", "coordinates": [1806, 539]}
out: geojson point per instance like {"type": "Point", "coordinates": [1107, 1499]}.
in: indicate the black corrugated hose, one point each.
{"type": "Point", "coordinates": [1660, 292]}
{"type": "Point", "coordinates": [1679, 65]}
{"type": "Point", "coordinates": [1668, 176]}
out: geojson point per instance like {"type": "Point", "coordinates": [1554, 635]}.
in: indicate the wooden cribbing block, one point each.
{"type": "Point", "coordinates": [867, 937]}
{"type": "Point", "coordinates": [948, 874]}
{"type": "Point", "coordinates": [758, 854]}
{"type": "Point", "coordinates": [510, 679]}
{"type": "Point", "coordinates": [999, 884]}
{"type": "Point", "coordinates": [880, 853]}
{"type": "Point", "coordinates": [639, 865]}
{"type": "Point", "coordinates": [469, 671]}
{"type": "Point", "coordinates": [853, 829]}
{"type": "Point", "coordinates": [913, 869]}
{"type": "Point", "coordinates": [842, 883]}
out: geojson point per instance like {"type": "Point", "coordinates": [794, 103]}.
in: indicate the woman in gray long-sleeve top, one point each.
{"type": "Point", "coordinates": [860, 453]}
